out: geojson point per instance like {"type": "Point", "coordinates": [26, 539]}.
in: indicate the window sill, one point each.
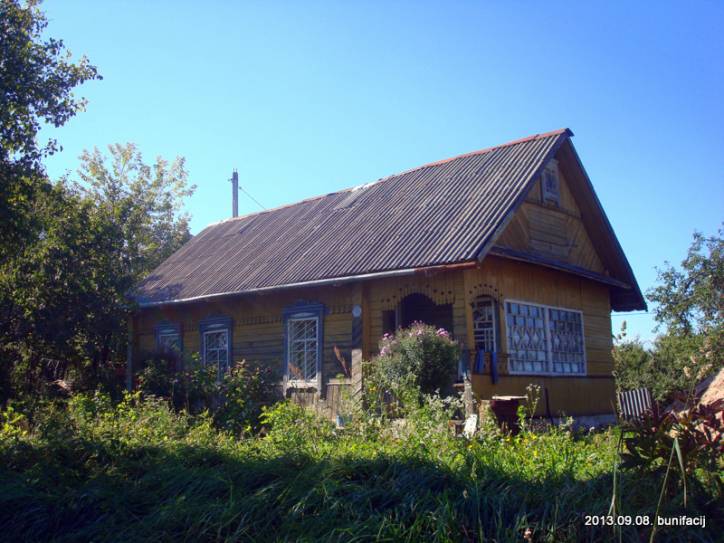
{"type": "Point", "coordinates": [543, 374]}
{"type": "Point", "coordinates": [302, 384]}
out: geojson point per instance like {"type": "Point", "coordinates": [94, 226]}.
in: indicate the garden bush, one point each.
{"type": "Point", "coordinates": [420, 358]}
{"type": "Point", "coordinates": [235, 399]}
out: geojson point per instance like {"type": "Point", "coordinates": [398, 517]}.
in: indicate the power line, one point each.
{"type": "Point", "coordinates": [250, 196]}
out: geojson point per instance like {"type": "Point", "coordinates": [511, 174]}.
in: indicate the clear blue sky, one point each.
{"type": "Point", "coordinates": [306, 98]}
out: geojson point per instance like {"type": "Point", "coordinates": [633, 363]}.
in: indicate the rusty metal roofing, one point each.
{"type": "Point", "coordinates": [440, 213]}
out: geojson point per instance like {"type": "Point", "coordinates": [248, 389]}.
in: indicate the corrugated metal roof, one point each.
{"type": "Point", "coordinates": [440, 213]}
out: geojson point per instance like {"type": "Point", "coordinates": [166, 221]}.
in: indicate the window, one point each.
{"type": "Point", "coordinates": [485, 334]}
{"type": "Point", "coordinates": [168, 338]}
{"type": "Point", "coordinates": [545, 340]}
{"type": "Point", "coordinates": [484, 324]}
{"type": "Point", "coordinates": [216, 349]}
{"type": "Point", "coordinates": [302, 349]}
{"type": "Point", "coordinates": [216, 342]}
{"type": "Point", "coordinates": [169, 342]}
{"type": "Point", "coordinates": [550, 184]}
{"type": "Point", "coordinates": [303, 345]}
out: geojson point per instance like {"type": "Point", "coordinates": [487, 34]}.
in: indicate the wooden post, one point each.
{"type": "Point", "coordinates": [356, 374]}
{"type": "Point", "coordinates": [468, 396]}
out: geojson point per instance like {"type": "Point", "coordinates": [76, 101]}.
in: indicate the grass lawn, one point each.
{"type": "Point", "coordinates": [138, 471]}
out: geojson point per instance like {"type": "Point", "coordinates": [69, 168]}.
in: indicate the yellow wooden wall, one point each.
{"type": "Point", "coordinates": [507, 279]}
{"type": "Point", "coordinates": [550, 231]}
{"type": "Point", "coordinates": [258, 329]}
{"type": "Point", "coordinates": [258, 332]}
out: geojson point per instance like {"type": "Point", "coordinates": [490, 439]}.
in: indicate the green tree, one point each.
{"type": "Point", "coordinates": [689, 303]}
{"type": "Point", "coordinates": [37, 78]}
{"type": "Point", "coordinates": [690, 300]}
{"type": "Point", "coordinates": [143, 203]}
{"type": "Point", "coordinates": [64, 297]}
{"type": "Point", "coordinates": [659, 368]}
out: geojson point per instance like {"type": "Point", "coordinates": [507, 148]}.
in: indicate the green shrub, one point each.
{"type": "Point", "coordinates": [235, 399]}
{"type": "Point", "coordinates": [13, 424]}
{"type": "Point", "coordinates": [292, 428]}
{"type": "Point", "coordinates": [157, 376]}
{"type": "Point", "coordinates": [414, 360]}
{"type": "Point", "coordinates": [244, 390]}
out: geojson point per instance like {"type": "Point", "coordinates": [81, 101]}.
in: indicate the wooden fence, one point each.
{"type": "Point", "coordinates": [633, 404]}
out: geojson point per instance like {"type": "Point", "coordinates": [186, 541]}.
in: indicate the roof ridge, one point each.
{"type": "Point", "coordinates": [490, 149]}
{"type": "Point", "coordinates": [485, 150]}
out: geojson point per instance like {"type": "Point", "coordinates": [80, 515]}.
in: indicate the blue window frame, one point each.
{"type": "Point", "coordinates": [303, 343]}
{"type": "Point", "coordinates": [216, 342]}
{"type": "Point", "coordinates": [168, 337]}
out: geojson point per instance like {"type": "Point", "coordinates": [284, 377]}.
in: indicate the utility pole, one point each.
{"type": "Point", "coordinates": [235, 194]}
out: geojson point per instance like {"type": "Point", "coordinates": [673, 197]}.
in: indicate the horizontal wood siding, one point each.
{"type": "Point", "coordinates": [258, 332]}
{"type": "Point", "coordinates": [574, 396]}
{"type": "Point", "coordinates": [385, 294]}
{"type": "Point", "coordinates": [258, 326]}
{"type": "Point", "coordinates": [506, 279]}
{"type": "Point", "coordinates": [552, 232]}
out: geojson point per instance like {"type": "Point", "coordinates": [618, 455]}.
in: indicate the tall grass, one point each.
{"type": "Point", "coordinates": [138, 471]}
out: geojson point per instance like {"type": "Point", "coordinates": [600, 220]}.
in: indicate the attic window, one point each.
{"type": "Point", "coordinates": [550, 184]}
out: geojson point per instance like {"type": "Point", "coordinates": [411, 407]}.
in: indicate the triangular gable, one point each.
{"type": "Point", "coordinates": [577, 237]}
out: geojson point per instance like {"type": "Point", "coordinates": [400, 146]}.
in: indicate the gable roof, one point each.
{"type": "Point", "coordinates": [445, 212]}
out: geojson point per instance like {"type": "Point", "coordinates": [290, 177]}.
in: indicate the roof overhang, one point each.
{"type": "Point", "coordinates": [333, 281]}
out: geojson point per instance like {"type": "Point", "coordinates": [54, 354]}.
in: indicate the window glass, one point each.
{"type": "Point", "coordinates": [302, 350]}
{"type": "Point", "coordinates": [216, 349]}
{"type": "Point", "coordinates": [544, 339]}
{"type": "Point", "coordinates": [484, 324]}
{"type": "Point", "coordinates": [566, 332]}
{"type": "Point", "coordinates": [169, 342]}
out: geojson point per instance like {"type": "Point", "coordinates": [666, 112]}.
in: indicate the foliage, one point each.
{"type": "Point", "coordinates": [689, 304]}
{"type": "Point", "coordinates": [660, 369]}
{"type": "Point", "coordinates": [235, 400]}
{"type": "Point", "coordinates": [696, 433]}
{"type": "Point", "coordinates": [63, 297]}
{"type": "Point", "coordinates": [416, 358]}
{"type": "Point", "coordinates": [69, 251]}
{"type": "Point", "coordinates": [14, 424]}
{"type": "Point", "coordinates": [245, 391]}
{"type": "Point", "coordinates": [691, 300]}
{"type": "Point", "coordinates": [139, 471]}
{"type": "Point", "coordinates": [292, 429]}
{"type": "Point", "coordinates": [143, 203]}
{"type": "Point", "coordinates": [37, 78]}
{"type": "Point", "coordinates": [54, 299]}
{"type": "Point", "coordinates": [157, 378]}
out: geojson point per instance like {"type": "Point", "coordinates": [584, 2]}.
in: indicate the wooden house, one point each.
{"type": "Point", "coordinates": [508, 248]}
